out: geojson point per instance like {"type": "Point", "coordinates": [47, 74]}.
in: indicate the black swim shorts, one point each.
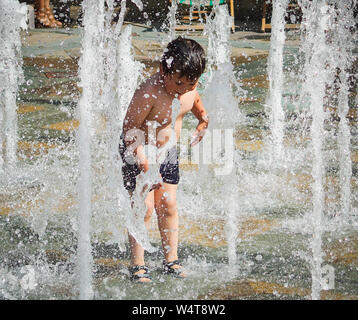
{"type": "Point", "coordinates": [169, 169]}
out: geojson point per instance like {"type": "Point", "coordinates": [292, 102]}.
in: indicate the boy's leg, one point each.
{"type": "Point", "coordinates": [168, 220]}
{"type": "Point", "coordinates": [137, 251]}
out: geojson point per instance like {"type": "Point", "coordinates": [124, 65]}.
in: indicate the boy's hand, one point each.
{"type": "Point", "coordinates": [144, 165]}
{"type": "Point", "coordinates": [200, 113]}
{"type": "Point", "coordinates": [156, 186]}
{"type": "Point", "coordinates": [197, 137]}
{"type": "Point", "coordinates": [153, 187]}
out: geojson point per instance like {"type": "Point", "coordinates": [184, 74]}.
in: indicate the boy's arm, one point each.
{"type": "Point", "coordinates": [138, 110]}
{"type": "Point", "coordinates": [200, 113]}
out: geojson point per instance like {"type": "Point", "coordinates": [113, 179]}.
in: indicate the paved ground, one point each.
{"type": "Point", "coordinates": [65, 43]}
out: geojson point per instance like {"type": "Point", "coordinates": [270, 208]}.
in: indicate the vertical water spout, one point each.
{"type": "Point", "coordinates": [275, 76]}
{"type": "Point", "coordinates": [317, 95]}
{"type": "Point", "coordinates": [128, 73]}
{"type": "Point", "coordinates": [12, 17]}
{"type": "Point", "coordinates": [344, 45]}
{"type": "Point", "coordinates": [223, 110]}
{"type": "Point", "coordinates": [90, 70]}
{"type": "Point", "coordinates": [219, 51]}
{"type": "Point", "coordinates": [171, 18]}
{"type": "Point", "coordinates": [316, 17]}
{"type": "Point", "coordinates": [98, 133]}
{"type": "Point", "coordinates": [121, 17]}
{"type": "Point", "coordinates": [344, 137]}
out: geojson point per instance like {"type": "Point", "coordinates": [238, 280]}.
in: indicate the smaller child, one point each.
{"type": "Point", "coordinates": [181, 66]}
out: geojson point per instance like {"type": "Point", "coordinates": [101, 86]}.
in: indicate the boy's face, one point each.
{"type": "Point", "coordinates": [177, 86]}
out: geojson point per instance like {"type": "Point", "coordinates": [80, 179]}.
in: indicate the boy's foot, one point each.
{"type": "Point", "coordinates": [174, 268]}
{"type": "Point", "coordinates": [139, 274]}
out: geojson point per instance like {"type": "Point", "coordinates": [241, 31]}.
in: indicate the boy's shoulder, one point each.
{"type": "Point", "coordinates": [151, 85]}
{"type": "Point", "coordinates": [152, 90]}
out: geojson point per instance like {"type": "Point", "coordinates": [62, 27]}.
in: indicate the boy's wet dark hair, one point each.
{"type": "Point", "coordinates": [185, 56]}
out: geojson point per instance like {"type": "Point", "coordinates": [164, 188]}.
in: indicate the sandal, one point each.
{"type": "Point", "coordinates": [42, 20]}
{"type": "Point", "coordinates": [138, 276]}
{"type": "Point", "coordinates": [51, 17]}
{"type": "Point", "coordinates": [176, 272]}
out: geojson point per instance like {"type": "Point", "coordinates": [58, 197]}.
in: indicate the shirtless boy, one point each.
{"type": "Point", "coordinates": [182, 64]}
